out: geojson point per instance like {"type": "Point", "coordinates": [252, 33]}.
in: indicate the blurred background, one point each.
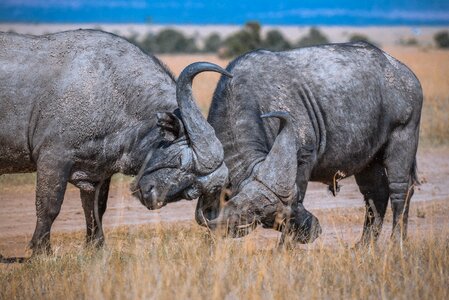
{"type": "Point", "coordinates": [232, 27]}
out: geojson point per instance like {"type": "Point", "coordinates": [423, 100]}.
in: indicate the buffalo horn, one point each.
{"type": "Point", "coordinates": [207, 148]}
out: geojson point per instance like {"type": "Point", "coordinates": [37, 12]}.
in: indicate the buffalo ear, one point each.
{"type": "Point", "coordinates": [171, 125]}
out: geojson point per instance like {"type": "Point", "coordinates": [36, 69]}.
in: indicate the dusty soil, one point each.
{"type": "Point", "coordinates": [341, 217]}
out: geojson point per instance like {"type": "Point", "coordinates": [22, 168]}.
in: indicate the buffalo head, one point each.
{"type": "Point", "coordinates": [267, 196]}
{"type": "Point", "coordinates": [188, 161]}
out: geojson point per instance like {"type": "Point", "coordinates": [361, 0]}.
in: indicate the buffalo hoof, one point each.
{"type": "Point", "coordinates": [304, 227]}
{"type": "Point", "coordinates": [365, 245]}
{"type": "Point", "coordinates": [40, 249]}
{"type": "Point", "coordinates": [95, 243]}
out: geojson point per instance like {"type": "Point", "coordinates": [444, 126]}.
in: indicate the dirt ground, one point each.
{"type": "Point", "coordinates": [341, 217]}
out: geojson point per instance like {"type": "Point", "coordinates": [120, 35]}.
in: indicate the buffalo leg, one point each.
{"type": "Point", "coordinates": [52, 176]}
{"type": "Point", "coordinates": [373, 184]}
{"type": "Point", "coordinates": [400, 162]}
{"type": "Point", "coordinates": [94, 231]}
{"type": "Point", "coordinates": [301, 225]}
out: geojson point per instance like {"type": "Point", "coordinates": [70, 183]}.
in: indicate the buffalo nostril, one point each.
{"type": "Point", "coordinates": [211, 212]}
{"type": "Point", "coordinates": [147, 194]}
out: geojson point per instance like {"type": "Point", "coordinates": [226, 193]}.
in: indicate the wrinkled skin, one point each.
{"type": "Point", "coordinates": [79, 106]}
{"type": "Point", "coordinates": [347, 109]}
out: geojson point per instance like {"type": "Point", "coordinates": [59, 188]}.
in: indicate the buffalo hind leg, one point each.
{"type": "Point", "coordinates": [94, 231]}
{"type": "Point", "coordinates": [373, 184]}
{"type": "Point", "coordinates": [52, 176]}
{"type": "Point", "coordinates": [400, 163]}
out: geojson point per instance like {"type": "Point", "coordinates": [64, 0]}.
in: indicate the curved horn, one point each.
{"type": "Point", "coordinates": [278, 170]}
{"type": "Point", "coordinates": [206, 146]}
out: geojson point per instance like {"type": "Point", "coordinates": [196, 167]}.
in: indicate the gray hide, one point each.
{"type": "Point", "coordinates": [354, 109]}
{"type": "Point", "coordinates": [79, 106]}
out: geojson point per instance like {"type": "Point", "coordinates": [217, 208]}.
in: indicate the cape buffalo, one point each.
{"type": "Point", "coordinates": [79, 106]}
{"type": "Point", "coordinates": [354, 110]}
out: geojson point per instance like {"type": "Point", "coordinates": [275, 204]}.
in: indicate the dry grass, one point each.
{"type": "Point", "coordinates": [184, 262]}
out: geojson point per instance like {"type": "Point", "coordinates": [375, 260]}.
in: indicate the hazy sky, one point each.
{"type": "Point", "coordinates": [288, 12]}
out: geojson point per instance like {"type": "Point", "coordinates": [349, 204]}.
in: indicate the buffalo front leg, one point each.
{"type": "Point", "coordinates": [94, 231]}
{"type": "Point", "coordinates": [52, 176]}
{"type": "Point", "coordinates": [373, 184]}
{"type": "Point", "coordinates": [302, 226]}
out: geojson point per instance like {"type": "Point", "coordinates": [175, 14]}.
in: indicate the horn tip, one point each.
{"type": "Point", "coordinates": [226, 73]}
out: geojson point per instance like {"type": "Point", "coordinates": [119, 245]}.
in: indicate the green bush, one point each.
{"type": "Point", "coordinates": [275, 41]}
{"type": "Point", "coordinates": [357, 37]}
{"type": "Point", "coordinates": [167, 41]}
{"type": "Point", "coordinates": [149, 43]}
{"type": "Point", "coordinates": [173, 41]}
{"type": "Point", "coordinates": [314, 37]}
{"type": "Point", "coordinates": [243, 41]}
{"type": "Point", "coordinates": [212, 43]}
{"type": "Point", "coordinates": [442, 39]}
{"type": "Point", "coordinates": [409, 42]}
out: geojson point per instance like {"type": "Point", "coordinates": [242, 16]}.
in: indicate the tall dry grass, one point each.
{"type": "Point", "coordinates": [185, 262]}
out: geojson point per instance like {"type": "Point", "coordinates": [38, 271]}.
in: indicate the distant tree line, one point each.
{"type": "Point", "coordinates": [249, 38]}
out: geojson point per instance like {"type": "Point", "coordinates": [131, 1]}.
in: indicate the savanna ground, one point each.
{"type": "Point", "coordinates": [163, 254]}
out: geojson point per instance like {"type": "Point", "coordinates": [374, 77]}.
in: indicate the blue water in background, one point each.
{"type": "Point", "coordinates": [282, 12]}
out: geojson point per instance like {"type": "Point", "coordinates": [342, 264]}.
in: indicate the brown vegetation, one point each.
{"type": "Point", "coordinates": [184, 261]}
